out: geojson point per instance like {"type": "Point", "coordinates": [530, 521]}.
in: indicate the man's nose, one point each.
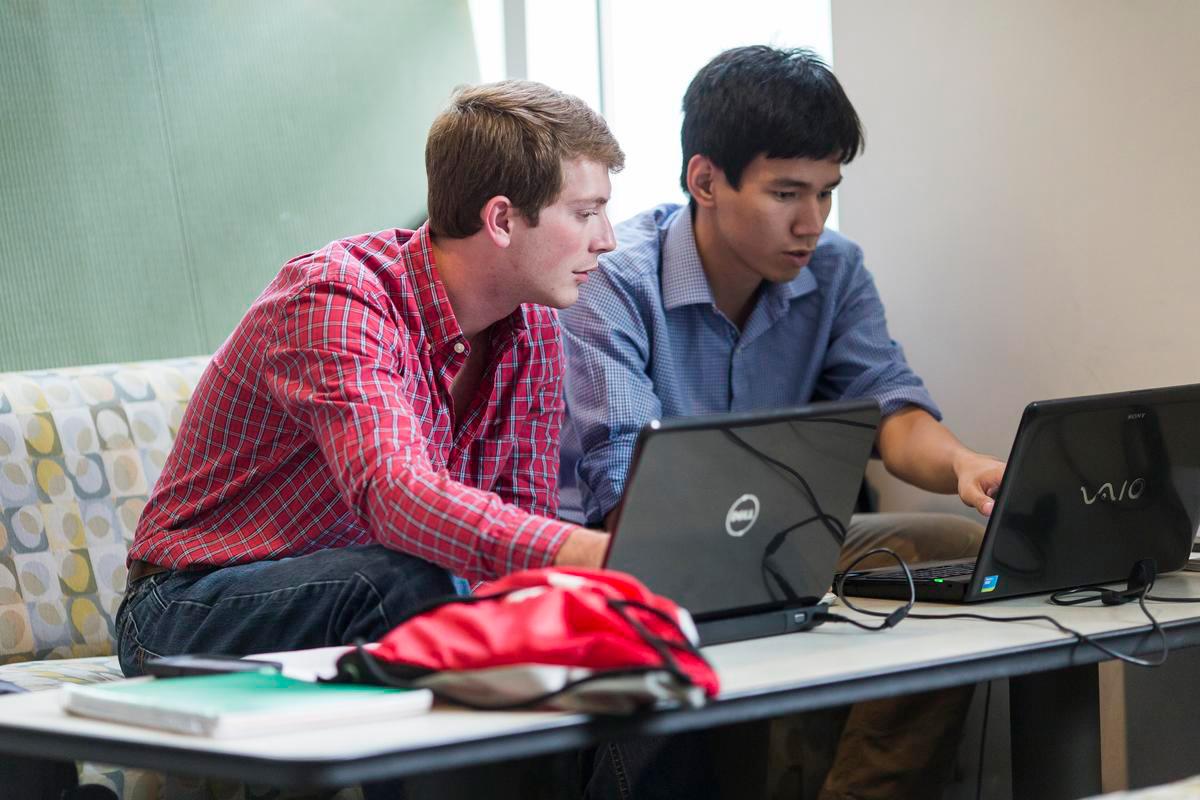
{"type": "Point", "coordinates": [810, 218]}
{"type": "Point", "coordinates": [606, 242]}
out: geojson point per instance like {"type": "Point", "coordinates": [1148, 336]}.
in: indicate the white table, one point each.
{"type": "Point", "coordinates": [1055, 701]}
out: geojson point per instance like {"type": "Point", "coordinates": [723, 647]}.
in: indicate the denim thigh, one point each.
{"type": "Point", "coordinates": [330, 597]}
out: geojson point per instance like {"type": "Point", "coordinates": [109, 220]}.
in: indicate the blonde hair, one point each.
{"type": "Point", "coordinates": [508, 138]}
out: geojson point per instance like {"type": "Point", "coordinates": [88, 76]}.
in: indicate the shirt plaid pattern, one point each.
{"type": "Point", "coordinates": [646, 342]}
{"type": "Point", "coordinates": [325, 420]}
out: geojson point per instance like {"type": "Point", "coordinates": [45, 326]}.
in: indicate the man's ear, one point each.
{"type": "Point", "coordinates": [497, 216]}
{"type": "Point", "coordinates": [702, 174]}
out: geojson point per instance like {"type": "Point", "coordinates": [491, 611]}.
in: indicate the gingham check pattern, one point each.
{"type": "Point", "coordinates": [325, 420]}
{"type": "Point", "coordinates": [645, 341]}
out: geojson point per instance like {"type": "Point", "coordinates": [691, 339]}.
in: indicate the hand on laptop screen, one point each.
{"type": "Point", "coordinates": [979, 479]}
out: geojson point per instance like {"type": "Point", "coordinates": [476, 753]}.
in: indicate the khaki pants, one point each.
{"type": "Point", "coordinates": [901, 747]}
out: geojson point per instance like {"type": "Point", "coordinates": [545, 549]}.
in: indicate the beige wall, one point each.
{"type": "Point", "coordinates": [1028, 199]}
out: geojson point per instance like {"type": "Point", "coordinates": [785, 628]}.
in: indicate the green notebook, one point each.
{"type": "Point", "coordinates": [240, 703]}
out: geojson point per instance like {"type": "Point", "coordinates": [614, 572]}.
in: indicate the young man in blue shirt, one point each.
{"type": "Point", "coordinates": [742, 300]}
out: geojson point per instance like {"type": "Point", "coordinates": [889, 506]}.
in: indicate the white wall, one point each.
{"type": "Point", "coordinates": [1029, 200]}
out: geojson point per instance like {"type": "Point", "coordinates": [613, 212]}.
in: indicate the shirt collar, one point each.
{"type": "Point", "coordinates": [441, 326]}
{"type": "Point", "coordinates": [684, 282]}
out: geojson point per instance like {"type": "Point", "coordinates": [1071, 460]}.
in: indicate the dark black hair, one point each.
{"type": "Point", "coordinates": [759, 99]}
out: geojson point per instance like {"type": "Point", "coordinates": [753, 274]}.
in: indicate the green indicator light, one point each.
{"type": "Point", "coordinates": [939, 580]}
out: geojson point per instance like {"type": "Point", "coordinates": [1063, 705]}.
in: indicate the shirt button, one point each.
{"type": "Point", "coordinates": [459, 347]}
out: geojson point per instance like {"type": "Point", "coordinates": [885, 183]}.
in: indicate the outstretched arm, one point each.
{"type": "Point", "coordinates": [919, 450]}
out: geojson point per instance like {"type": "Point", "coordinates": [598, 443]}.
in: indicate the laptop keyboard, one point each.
{"type": "Point", "coordinates": [923, 574]}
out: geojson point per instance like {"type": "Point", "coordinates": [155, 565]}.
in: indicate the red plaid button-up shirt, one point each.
{"type": "Point", "coordinates": [325, 420]}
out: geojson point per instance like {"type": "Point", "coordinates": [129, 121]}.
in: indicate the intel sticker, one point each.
{"type": "Point", "coordinates": [989, 583]}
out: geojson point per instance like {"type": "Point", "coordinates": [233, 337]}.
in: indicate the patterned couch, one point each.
{"type": "Point", "coordinates": [80, 449]}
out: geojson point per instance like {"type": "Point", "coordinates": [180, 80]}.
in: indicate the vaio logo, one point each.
{"type": "Point", "coordinates": [1130, 490]}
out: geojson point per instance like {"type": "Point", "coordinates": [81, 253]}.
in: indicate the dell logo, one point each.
{"type": "Point", "coordinates": [1130, 490]}
{"type": "Point", "coordinates": [742, 515]}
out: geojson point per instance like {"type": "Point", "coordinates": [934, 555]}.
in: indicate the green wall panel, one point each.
{"type": "Point", "coordinates": [89, 238]}
{"type": "Point", "coordinates": [160, 160]}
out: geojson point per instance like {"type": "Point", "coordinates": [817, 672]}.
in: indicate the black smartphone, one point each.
{"type": "Point", "coordinates": [179, 666]}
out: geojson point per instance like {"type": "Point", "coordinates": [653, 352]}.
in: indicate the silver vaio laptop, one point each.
{"type": "Point", "coordinates": [740, 518]}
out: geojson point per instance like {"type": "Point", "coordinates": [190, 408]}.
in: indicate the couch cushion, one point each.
{"type": "Point", "coordinates": [79, 450]}
{"type": "Point", "coordinates": [38, 675]}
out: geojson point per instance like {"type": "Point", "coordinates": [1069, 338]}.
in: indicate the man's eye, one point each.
{"type": "Point", "coordinates": [586, 214]}
{"type": "Point", "coordinates": [825, 195]}
{"type": "Point", "coordinates": [785, 195]}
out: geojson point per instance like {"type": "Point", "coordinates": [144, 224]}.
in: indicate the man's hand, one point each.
{"type": "Point", "coordinates": [978, 479]}
{"type": "Point", "coordinates": [583, 548]}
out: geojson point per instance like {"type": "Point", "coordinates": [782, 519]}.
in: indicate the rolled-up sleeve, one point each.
{"type": "Point", "coordinates": [862, 359]}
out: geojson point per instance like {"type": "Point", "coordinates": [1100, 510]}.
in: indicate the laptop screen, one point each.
{"type": "Point", "coordinates": [733, 514]}
{"type": "Point", "coordinates": [1093, 485]}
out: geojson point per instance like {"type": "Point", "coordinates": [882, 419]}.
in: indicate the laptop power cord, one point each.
{"type": "Point", "coordinates": [1141, 581]}
{"type": "Point", "coordinates": [891, 618]}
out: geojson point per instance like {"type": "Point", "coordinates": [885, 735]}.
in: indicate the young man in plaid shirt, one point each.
{"type": "Point", "coordinates": [387, 413]}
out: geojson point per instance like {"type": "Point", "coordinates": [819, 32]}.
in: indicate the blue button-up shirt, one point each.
{"type": "Point", "coordinates": [645, 341]}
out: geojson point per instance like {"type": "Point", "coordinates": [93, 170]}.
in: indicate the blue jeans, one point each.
{"type": "Point", "coordinates": [330, 597]}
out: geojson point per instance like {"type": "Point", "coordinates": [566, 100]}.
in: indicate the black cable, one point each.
{"type": "Point", "coordinates": [1141, 581]}
{"type": "Point", "coordinates": [893, 617]}
{"type": "Point", "coordinates": [768, 566]}
{"type": "Point", "coordinates": [1083, 638]}
{"type": "Point", "coordinates": [832, 523]}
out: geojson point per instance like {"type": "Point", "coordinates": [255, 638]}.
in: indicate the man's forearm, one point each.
{"type": "Point", "coordinates": [583, 548]}
{"type": "Point", "coordinates": [918, 449]}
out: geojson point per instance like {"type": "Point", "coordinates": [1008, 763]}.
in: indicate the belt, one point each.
{"type": "Point", "coordinates": [142, 569]}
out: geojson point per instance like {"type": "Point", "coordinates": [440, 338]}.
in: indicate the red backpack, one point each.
{"type": "Point", "coordinates": [575, 639]}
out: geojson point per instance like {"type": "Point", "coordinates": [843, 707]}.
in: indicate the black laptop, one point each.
{"type": "Point", "coordinates": [1093, 485]}
{"type": "Point", "coordinates": [739, 518]}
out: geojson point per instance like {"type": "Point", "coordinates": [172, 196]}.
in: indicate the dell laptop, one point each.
{"type": "Point", "coordinates": [739, 518]}
{"type": "Point", "coordinates": [1093, 485]}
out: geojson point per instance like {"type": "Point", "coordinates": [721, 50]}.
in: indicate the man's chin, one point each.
{"type": "Point", "coordinates": [560, 300]}
{"type": "Point", "coordinates": [789, 273]}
